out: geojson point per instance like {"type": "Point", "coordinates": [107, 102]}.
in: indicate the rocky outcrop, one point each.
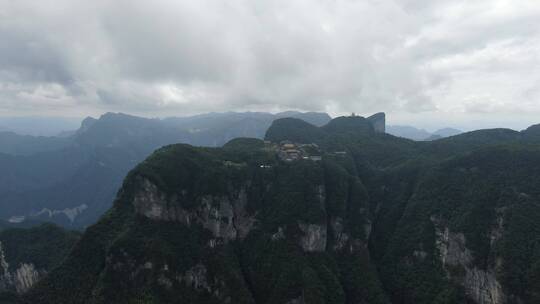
{"type": "Point", "coordinates": [340, 237]}
{"type": "Point", "coordinates": [195, 278]}
{"type": "Point", "coordinates": [86, 124]}
{"type": "Point", "coordinates": [314, 237]}
{"type": "Point", "coordinates": [25, 277]}
{"type": "Point", "coordinates": [481, 285]}
{"type": "Point", "coordinates": [279, 235]}
{"type": "Point", "coordinates": [5, 276]}
{"type": "Point", "coordinates": [20, 280]}
{"type": "Point", "coordinates": [379, 122]}
{"type": "Point", "coordinates": [226, 219]}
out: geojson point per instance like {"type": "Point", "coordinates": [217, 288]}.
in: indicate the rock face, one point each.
{"type": "Point", "coordinates": [28, 255]}
{"type": "Point", "coordinates": [378, 121]}
{"type": "Point", "coordinates": [480, 285]}
{"type": "Point", "coordinates": [5, 279]}
{"type": "Point", "coordinates": [20, 280]}
{"type": "Point", "coordinates": [341, 238]}
{"type": "Point", "coordinates": [86, 124]}
{"type": "Point", "coordinates": [226, 219]}
{"type": "Point", "coordinates": [314, 238]}
{"type": "Point", "coordinates": [196, 278]}
{"type": "Point", "coordinates": [26, 276]}
{"type": "Point", "coordinates": [209, 232]}
{"type": "Point", "coordinates": [386, 221]}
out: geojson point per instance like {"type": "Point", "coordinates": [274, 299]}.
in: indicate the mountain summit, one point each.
{"type": "Point", "coordinates": [332, 214]}
{"type": "Point", "coordinates": [73, 180]}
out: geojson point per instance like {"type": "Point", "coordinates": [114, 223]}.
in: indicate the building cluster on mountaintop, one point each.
{"type": "Point", "coordinates": [289, 151]}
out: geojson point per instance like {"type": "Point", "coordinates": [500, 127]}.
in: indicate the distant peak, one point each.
{"type": "Point", "coordinates": [86, 124]}
{"type": "Point", "coordinates": [447, 132]}
{"type": "Point", "coordinates": [287, 113]}
{"type": "Point", "coordinates": [112, 115]}
{"type": "Point", "coordinates": [378, 121]}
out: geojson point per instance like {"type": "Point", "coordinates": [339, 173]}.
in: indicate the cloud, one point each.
{"type": "Point", "coordinates": [182, 57]}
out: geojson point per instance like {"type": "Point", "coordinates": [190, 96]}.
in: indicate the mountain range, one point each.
{"type": "Point", "coordinates": [360, 217]}
{"type": "Point", "coordinates": [420, 134]}
{"type": "Point", "coordinates": [38, 126]}
{"type": "Point", "coordinates": [72, 179]}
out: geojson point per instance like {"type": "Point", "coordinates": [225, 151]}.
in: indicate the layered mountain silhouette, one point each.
{"type": "Point", "coordinates": [421, 134]}
{"type": "Point", "coordinates": [356, 216]}
{"type": "Point", "coordinates": [72, 180]}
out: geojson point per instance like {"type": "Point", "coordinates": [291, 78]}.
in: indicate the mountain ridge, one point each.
{"type": "Point", "coordinates": [378, 219]}
{"type": "Point", "coordinates": [73, 180]}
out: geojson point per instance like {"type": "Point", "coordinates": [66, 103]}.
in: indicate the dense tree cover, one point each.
{"type": "Point", "coordinates": [293, 129]}
{"type": "Point", "coordinates": [45, 245]}
{"type": "Point", "coordinates": [86, 168]}
{"type": "Point", "coordinates": [381, 201]}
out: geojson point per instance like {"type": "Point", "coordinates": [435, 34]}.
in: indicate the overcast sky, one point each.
{"type": "Point", "coordinates": [454, 63]}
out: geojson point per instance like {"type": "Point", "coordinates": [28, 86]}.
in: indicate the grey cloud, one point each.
{"type": "Point", "coordinates": [26, 58]}
{"type": "Point", "coordinates": [197, 56]}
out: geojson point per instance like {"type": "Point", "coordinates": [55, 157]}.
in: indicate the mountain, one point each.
{"type": "Point", "coordinates": [378, 121]}
{"type": "Point", "coordinates": [27, 255]}
{"type": "Point", "coordinates": [15, 144]}
{"type": "Point", "coordinates": [421, 134]}
{"type": "Point", "coordinates": [38, 126]}
{"type": "Point", "coordinates": [447, 132]}
{"type": "Point", "coordinates": [216, 129]}
{"type": "Point", "coordinates": [72, 180]}
{"type": "Point", "coordinates": [408, 132]}
{"type": "Point", "coordinates": [333, 214]}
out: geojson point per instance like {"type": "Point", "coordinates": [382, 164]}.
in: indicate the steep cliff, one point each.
{"type": "Point", "coordinates": [27, 255]}
{"type": "Point", "coordinates": [231, 225]}
{"type": "Point", "coordinates": [378, 121]}
{"type": "Point", "coordinates": [378, 220]}
{"type": "Point", "coordinates": [469, 231]}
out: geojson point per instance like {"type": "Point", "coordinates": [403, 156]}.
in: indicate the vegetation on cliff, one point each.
{"type": "Point", "coordinates": [379, 219]}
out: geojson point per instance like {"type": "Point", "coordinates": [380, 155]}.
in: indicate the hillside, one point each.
{"type": "Point", "coordinates": [73, 180]}
{"type": "Point", "coordinates": [378, 219]}
{"type": "Point", "coordinates": [27, 255]}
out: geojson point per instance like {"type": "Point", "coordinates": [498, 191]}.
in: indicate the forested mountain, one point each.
{"type": "Point", "coordinates": [27, 255]}
{"type": "Point", "coordinates": [332, 214]}
{"type": "Point", "coordinates": [73, 180]}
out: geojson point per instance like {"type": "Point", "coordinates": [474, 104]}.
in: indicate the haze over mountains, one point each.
{"type": "Point", "coordinates": [420, 134]}
{"type": "Point", "coordinates": [113, 190]}
{"type": "Point", "coordinates": [376, 219]}
{"type": "Point", "coordinates": [38, 126]}
{"type": "Point", "coordinates": [72, 180]}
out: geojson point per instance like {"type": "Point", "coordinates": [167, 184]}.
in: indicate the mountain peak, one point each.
{"type": "Point", "coordinates": [293, 129]}
{"type": "Point", "coordinates": [378, 120]}
{"type": "Point", "coordinates": [350, 125]}
{"type": "Point", "coordinates": [86, 124]}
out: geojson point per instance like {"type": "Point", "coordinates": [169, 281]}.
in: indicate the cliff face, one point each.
{"type": "Point", "coordinates": [27, 255]}
{"type": "Point", "coordinates": [226, 219]}
{"type": "Point", "coordinates": [468, 231]}
{"type": "Point", "coordinates": [481, 285]}
{"type": "Point", "coordinates": [379, 122]}
{"type": "Point", "coordinates": [382, 221]}
{"type": "Point", "coordinates": [21, 279]}
{"type": "Point", "coordinates": [215, 225]}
